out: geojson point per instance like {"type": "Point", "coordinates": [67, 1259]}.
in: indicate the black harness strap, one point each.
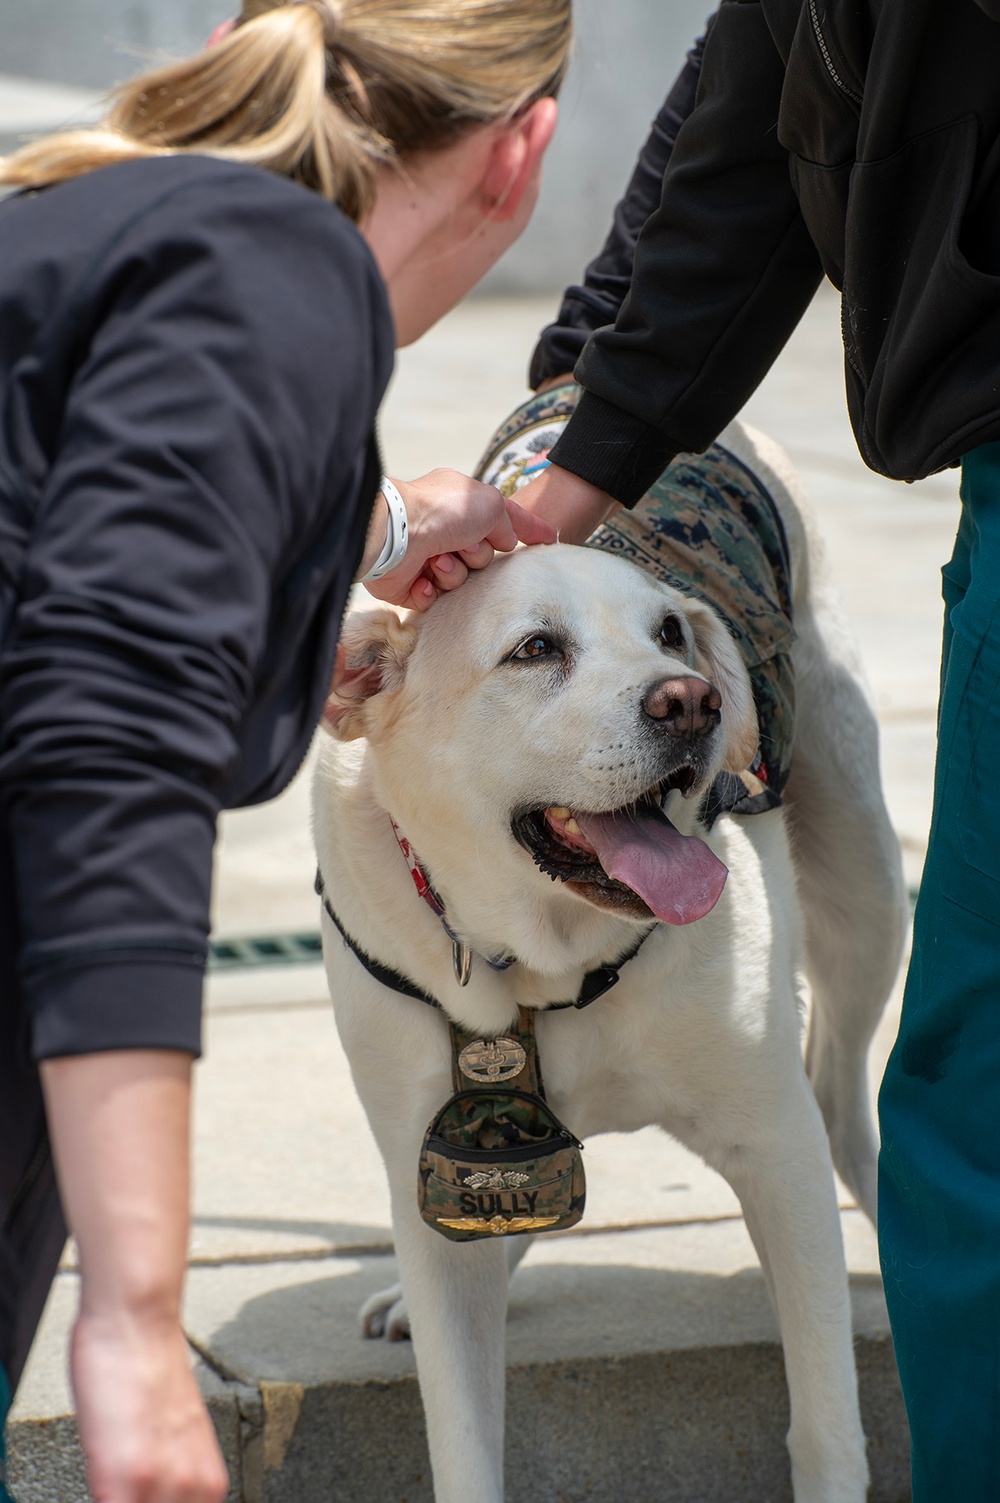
{"type": "Point", "coordinates": [596, 982]}
{"type": "Point", "coordinates": [388, 977]}
{"type": "Point", "coordinates": [602, 978]}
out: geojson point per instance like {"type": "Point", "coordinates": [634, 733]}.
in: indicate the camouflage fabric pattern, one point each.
{"type": "Point", "coordinates": [707, 527]}
{"type": "Point", "coordinates": [470, 1066]}
{"type": "Point", "coordinates": [495, 1161]}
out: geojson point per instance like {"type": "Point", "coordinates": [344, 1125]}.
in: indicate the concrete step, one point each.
{"type": "Point", "coordinates": [641, 1365]}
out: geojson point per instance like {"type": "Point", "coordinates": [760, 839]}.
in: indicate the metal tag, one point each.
{"type": "Point", "coordinates": [461, 961]}
{"type": "Point", "coordinates": [489, 1061]}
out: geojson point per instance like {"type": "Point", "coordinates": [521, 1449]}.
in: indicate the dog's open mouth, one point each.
{"type": "Point", "coordinates": [632, 859]}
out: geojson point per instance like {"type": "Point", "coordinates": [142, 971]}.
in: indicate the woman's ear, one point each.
{"type": "Point", "coordinates": [514, 165]}
{"type": "Point", "coordinates": [221, 32]}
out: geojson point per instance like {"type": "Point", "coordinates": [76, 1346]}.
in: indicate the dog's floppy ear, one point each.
{"type": "Point", "coordinates": [371, 659]}
{"type": "Point", "coordinates": [718, 658]}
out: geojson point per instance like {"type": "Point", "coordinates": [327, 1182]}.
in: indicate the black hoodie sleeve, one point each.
{"type": "Point", "coordinates": [222, 408]}
{"type": "Point", "coordinates": [606, 280]}
{"type": "Point", "coordinates": [724, 270]}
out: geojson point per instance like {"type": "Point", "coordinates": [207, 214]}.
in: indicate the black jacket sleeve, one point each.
{"type": "Point", "coordinates": [723, 271]}
{"type": "Point", "coordinates": [228, 377]}
{"type": "Point", "coordinates": [606, 280]}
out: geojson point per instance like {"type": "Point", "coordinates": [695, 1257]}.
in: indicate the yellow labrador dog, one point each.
{"type": "Point", "coordinates": [543, 739]}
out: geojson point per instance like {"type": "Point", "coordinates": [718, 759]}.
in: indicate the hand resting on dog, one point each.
{"type": "Point", "coordinates": [455, 524]}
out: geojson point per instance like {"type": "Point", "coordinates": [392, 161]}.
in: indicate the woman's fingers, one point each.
{"type": "Point", "coordinates": [422, 594]}
{"type": "Point", "coordinates": [448, 570]}
{"type": "Point", "coordinates": [528, 526]}
{"type": "Point", "coordinates": [517, 525]}
{"type": "Point", "coordinates": [478, 557]}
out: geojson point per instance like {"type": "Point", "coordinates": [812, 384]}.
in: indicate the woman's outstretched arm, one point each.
{"type": "Point", "coordinates": [120, 1127]}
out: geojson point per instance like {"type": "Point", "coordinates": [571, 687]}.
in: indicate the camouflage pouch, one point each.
{"type": "Point", "coordinates": [495, 1160]}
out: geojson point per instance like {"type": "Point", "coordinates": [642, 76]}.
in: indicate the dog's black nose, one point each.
{"type": "Point", "coordinates": [685, 707]}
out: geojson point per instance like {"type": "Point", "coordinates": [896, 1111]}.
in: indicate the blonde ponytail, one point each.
{"type": "Point", "coordinates": [324, 90]}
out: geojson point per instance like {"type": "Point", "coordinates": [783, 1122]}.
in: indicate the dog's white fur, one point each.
{"type": "Point", "coordinates": [702, 1033]}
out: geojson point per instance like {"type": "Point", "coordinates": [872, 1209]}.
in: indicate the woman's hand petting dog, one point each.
{"type": "Point", "coordinates": [455, 524]}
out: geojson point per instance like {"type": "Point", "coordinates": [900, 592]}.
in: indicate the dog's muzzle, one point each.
{"type": "Point", "coordinates": [632, 859]}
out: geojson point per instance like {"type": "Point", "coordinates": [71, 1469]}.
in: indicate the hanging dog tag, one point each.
{"type": "Point", "coordinates": [495, 1161]}
{"type": "Point", "coordinates": [461, 961]}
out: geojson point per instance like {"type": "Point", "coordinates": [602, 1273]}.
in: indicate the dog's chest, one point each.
{"type": "Point", "coordinates": [642, 1056]}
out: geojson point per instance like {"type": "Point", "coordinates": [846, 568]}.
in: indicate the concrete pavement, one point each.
{"type": "Point", "coordinates": [643, 1354]}
{"type": "Point", "coordinates": [29, 108]}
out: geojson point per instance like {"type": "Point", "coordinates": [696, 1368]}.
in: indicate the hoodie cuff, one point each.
{"type": "Point", "coordinates": [128, 1002]}
{"type": "Point", "coordinates": [613, 450]}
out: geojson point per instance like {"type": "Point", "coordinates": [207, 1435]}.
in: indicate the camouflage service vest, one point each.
{"type": "Point", "coordinates": [709, 528]}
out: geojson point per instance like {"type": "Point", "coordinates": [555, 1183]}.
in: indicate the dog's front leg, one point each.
{"type": "Point", "coordinates": [456, 1297]}
{"type": "Point", "coordinates": [455, 1293]}
{"type": "Point", "coordinates": [785, 1183]}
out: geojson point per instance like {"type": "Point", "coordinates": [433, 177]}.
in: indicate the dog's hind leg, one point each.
{"type": "Point", "coordinates": [846, 854]}
{"type": "Point", "coordinates": [782, 1174]}
{"type": "Point", "coordinates": [850, 879]}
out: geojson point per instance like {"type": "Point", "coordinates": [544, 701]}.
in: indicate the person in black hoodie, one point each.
{"type": "Point", "coordinates": [859, 140]}
{"type": "Point", "coordinates": [192, 353]}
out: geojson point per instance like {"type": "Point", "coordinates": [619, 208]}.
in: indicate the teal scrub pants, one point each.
{"type": "Point", "coordinates": [939, 1185]}
{"type": "Point", "coordinates": [5, 1496]}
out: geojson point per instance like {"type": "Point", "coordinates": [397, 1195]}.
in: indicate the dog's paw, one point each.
{"type": "Point", "coordinates": [384, 1316]}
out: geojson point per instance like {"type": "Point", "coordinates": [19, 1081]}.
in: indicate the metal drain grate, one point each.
{"type": "Point", "coordinates": [263, 949]}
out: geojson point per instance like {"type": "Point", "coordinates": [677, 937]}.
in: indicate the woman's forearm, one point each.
{"type": "Point", "coordinates": [120, 1127]}
{"type": "Point", "coordinates": [574, 507]}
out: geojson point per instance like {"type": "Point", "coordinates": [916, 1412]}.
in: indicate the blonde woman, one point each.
{"type": "Point", "coordinates": [199, 302]}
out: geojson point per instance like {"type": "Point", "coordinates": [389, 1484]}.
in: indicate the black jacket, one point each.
{"type": "Point", "coordinates": [856, 137]}
{"type": "Point", "coordinates": [192, 354]}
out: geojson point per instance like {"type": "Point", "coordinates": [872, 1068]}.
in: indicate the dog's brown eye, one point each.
{"type": "Point", "coordinates": [535, 647]}
{"type": "Point", "coordinates": [672, 633]}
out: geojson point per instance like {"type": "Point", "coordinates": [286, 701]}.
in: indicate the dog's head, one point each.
{"type": "Point", "coordinates": [562, 709]}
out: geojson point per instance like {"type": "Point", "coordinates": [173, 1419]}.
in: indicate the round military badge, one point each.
{"type": "Point", "coordinates": [488, 1060]}
{"type": "Point", "coordinates": [519, 450]}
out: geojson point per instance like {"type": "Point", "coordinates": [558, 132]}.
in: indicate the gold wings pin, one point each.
{"type": "Point", "coordinates": [499, 1226]}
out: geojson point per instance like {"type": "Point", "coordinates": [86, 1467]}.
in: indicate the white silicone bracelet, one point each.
{"type": "Point", "coordinates": [397, 533]}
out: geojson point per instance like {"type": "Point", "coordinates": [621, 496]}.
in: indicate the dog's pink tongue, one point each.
{"type": "Point", "coordinates": [676, 875]}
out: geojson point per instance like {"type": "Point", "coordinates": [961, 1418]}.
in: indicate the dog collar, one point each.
{"type": "Point", "coordinates": [595, 983]}
{"type": "Point", "coordinates": [461, 954]}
